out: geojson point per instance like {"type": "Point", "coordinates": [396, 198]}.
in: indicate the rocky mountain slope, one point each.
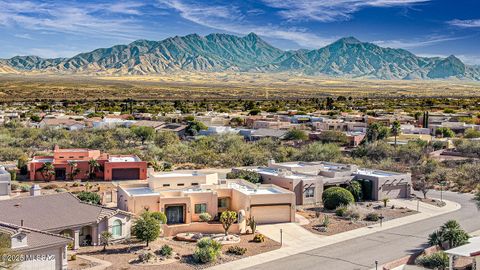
{"type": "Point", "coordinates": [347, 57]}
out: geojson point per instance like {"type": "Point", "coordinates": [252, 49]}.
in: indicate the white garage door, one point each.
{"type": "Point", "coordinates": [271, 213]}
{"type": "Point", "coordinates": [3, 189]}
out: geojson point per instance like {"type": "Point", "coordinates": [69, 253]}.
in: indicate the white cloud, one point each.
{"type": "Point", "coordinates": [416, 42]}
{"type": "Point", "coordinates": [73, 18]}
{"type": "Point", "coordinates": [230, 19]}
{"type": "Point", "coordinates": [465, 23]}
{"type": "Point", "coordinates": [23, 36]}
{"type": "Point", "coordinates": [330, 10]}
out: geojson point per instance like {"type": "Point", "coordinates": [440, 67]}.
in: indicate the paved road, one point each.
{"type": "Point", "coordinates": [361, 253]}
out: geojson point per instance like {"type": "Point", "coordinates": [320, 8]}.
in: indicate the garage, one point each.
{"type": "Point", "coordinates": [273, 213]}
{"type": "Point", "coordinates": [4, 188]}
{"type": "Point", "coordinates": [395, 191]}
{"type": "Point", "coordinates": [126, 174]}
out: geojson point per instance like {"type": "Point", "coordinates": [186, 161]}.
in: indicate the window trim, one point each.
{"type": "Point", "coordinates": [203, 206]}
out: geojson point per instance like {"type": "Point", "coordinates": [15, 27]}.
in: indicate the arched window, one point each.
{"type": "Point", "coordinates": [117, 228]}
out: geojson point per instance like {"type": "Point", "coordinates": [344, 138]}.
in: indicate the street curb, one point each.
{"type": "Point", "coordinates": [337, 238]}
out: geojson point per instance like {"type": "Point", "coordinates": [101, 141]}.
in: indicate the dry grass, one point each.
{"type": "Point", "coordinates": [219, 86]}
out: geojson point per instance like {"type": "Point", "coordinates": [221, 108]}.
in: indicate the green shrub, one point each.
{"type": "Point", "coordinates": [73, 257]}
{"type": "Point", "coordinates": [259, 238]}
{"type": "Point", "coordinates": [336, 196]}
{"type": "Point", "coordinates": [372, 217]}
{"type": "Point", "coordinates": [90, 197]}
{"type": "Point", "coordinates": [50, 186]}
{"type": "Point", "coordinates": [207, 250]}
{"type": "Point", "coordinates": [340, 210]}
{"type": "Point", "coordinates": [236, 250]}
{"type": "Point", "coordinates": [159, 216]}
{"type": "Point", "coordinates": [13, 175]}
{"type": "Point", "coordinates": [438, 260]}
{"type": "Point", "coordinates": [25, 187]}
{"type": "Point", "coordinates": [60, 190]}
{"type": "Point", "coordinates": [165, 251]}
{"type": "Point", "coordinates": [205, 217]}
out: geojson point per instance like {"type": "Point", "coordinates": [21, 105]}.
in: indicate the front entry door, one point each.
{"type": "Point", "coordinates": [174, 214]}
{"type": "Point", "coordinates": [60, 174]}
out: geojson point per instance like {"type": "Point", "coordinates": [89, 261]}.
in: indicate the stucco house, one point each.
{"type": "Point", "coordinates": [308, 180]}
{"type": "Point", "coordinates": [5, 179]}
{"type": "Point", "coordinates": [39, 250]}
{"type": "Point", "coordinates": [65, 214]}
{"type": "Point", "coordinates": [184, 204]}
{"type": "Point", "coordinates": [111, 167]}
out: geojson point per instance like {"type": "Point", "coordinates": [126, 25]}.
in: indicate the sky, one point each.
{"type": "Point", "coordinates": [59, 28]}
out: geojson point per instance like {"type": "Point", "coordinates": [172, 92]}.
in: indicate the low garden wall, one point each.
{"type": "Point", "coordinates": [202, 227]}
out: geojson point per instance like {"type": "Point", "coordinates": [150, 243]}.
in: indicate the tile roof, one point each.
{"type": "Point", "coordinates": [35, 238]}
{"type": "Point", "coordinates": [55, 211]}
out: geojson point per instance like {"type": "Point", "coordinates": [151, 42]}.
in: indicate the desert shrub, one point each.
{"type": "Point", "coordinates": [236, 250]}
{"type": "Point", "coordinates": [165, 250]}
{"type": "Point", "coordinates": [250, 176]}
{"type": "Point", "coordinates": [50, 186]}
{"type": "Point", "coordinates": [353, 212]}
{"type": "Point", "coordinates": [438, 260]}
{"type": "Point", "coordinates": [336, 196]}
{"type": "Point", "coordinates": [90, 197]}
{"type": "Point", "coordinates": [75, 184]}
{"type": "Point", "coordinates": [14, 186]}
{"type": "Point", "coordinates": [259, 238]}
{"type": "Point", "coordinates": [207, 250]}
{"type": "Point", "coordinates": [161, 217]}
{"type": "Point", "coordinates": [73, 257]}
{"type": "Point", "coordinates": [13, 175]}
{"type": "Point", "coordinates": [25, 187]}
{"type": "Point", "coordinates": [205, 217]}
{"type": "Point", "coordinates": [145, 256]}
{"type": "Point", "coordinates": [60, 190]}
{"type": "Point", "coordinates": [372, 217]}
{"type": "Point", "coordinates": [340, 210]}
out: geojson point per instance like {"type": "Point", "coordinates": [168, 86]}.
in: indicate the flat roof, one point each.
{"type": "Point", "coordinates": [140, 191]}
{"type": "Point", "coordinates": [377, 173]}
{"type": "Point", "coordinates": [177, 174]}
{"type": "Point", "coordinates": [468, 250]}
{"type": "Point", "coordinates": [123, 159]}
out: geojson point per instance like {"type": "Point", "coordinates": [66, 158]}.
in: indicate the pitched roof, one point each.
{"type": "Point", "coordinates": [35, 238]}
{"type": "Point", "coordinates": [55, 211]}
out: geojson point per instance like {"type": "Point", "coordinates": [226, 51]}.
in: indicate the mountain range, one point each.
{"type": "Point", "coordinates": [346, 57]}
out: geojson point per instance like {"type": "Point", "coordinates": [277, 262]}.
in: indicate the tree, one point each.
{"type": "Point", "coordinates": [450, 232]}
{"type": "Point", "coordinates": [425, 174]}
{"type": "Point", "coordinates": [146, 228]}
{"type": "Point", "coordinates": [105, 238]}
{"type": "Point", "coordinates": [472, 133]}
{"type": "Point", "coordinates": [74, 170]}
{"type": "Point", "coordinates": [250, 176]}
{"type": "Point", "coordinates": [143, 133]}
{"type": "Point", "coordinates": [6, 250]}
{"type": "Point", "coordinates": [395, 130]}
{"type": "Point", "coordinates": [22, 164]}
{"type": "Point", "coordinates": [93, 168]}
{"type": "Point", "coordinates": [161, 217]}
{"type": "Point", "coordinates": [227, 218]}
{"type": "Point", "coordinates": [90, 197]}
{"type": "Point", "coordinates": [444, 132]}
{"type": "Point", "coordinates": [333, 136]}
{"type": "Point", "coordinates": [47, 171]}
{"type": "Point", "coordinates": [194, 127]}
{"type": "Point", "coordinates": [318, 151]}
{"type": "Point", "coordinates": [296, 135]}
{"type": "Point", "coordinates": [356, 189]}
{"type": "Point", "coordinates": [166, 138]}
{"type": "Point", "coordinates": [376, 131]}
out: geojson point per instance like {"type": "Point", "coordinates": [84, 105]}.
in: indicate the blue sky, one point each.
{"type": "Point", "coordinates": [65, 28]}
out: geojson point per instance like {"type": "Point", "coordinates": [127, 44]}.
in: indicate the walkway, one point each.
{"type": "Point", "coordinates": [101, 264]}
{"type": "Point", "coordinates": [297, 240]}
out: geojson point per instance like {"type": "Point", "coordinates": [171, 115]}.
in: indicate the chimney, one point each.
{"type": "Point", "coordinates": [21, 222]}
{"type": "Point", "coordinates": [35, 190]}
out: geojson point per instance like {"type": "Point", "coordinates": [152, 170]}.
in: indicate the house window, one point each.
{"type": "Point", "coordinates": [61, 157]}
{"type": "Point", "coordinates": [166, 185]}
{"type": "Point", "coordinates": [222, 202]}
{"type": "Point", "coordinates": [200, 208]}
{"type": "Point", "coordinates": [194, 184]}
{"type": "Point", "coordinates": [181, 185]}
{"type": "Point", "coordinates": [117, 228]}
{"type": "Point", "coordinates": [310, 192]}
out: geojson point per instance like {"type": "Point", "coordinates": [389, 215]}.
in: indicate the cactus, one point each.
{"type": "Point", "coordinates": [252, 224]}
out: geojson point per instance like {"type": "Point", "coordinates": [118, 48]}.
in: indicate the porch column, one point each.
{"type": "Point", "coordinates": [76, 238]}
{"type": "Point", "coordinates": [95, 235]}
{"type": "Point", "coordinates": [64, 258]}
{"type": "Point", "coordinates": [450, 262]}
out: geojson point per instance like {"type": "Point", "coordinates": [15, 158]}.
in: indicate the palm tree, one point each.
{"type": "Point", "coordinates": [105, 238]}
{"type": "Point", "coordinates": [450, 232]}
{"type": "Point", "coordinates": [395, 130]}
{"type": "Point", "coordinates": [74, 170]}
{"type": "Point", "coordinates": [48, 171]}
{"type": "Point", "coordinates": [93, 167]}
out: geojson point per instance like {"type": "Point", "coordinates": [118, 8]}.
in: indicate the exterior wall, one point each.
{"type": "Point", "coordinates": [395, 186]}
{"type": "Point", "coordinates": [106, 225]}
{"type": "Point", "coordinates": [5, 180]}
{"type": "Point", "coordinates": [109, 166]}
{"type": "Point", "coordinates": [58, 262]}
{"type": "Point", "coordinates": [156, 182]}
{"type": "Point", "coordinates": [198, 227]}
{"type": "Point", "coordinates": [297, 187]}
